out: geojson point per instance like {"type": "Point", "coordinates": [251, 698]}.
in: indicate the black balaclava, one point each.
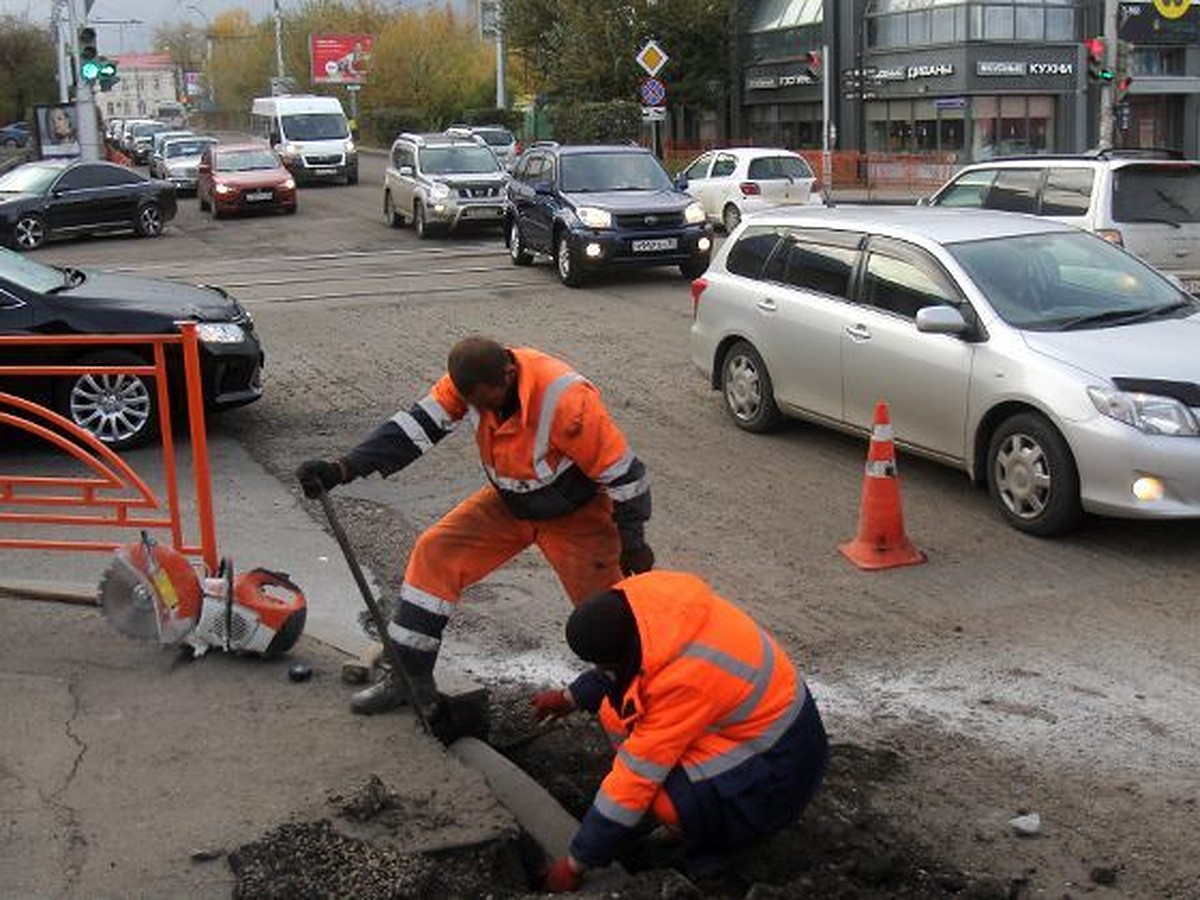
{"type": "Point", "coordinates": [603, 631]}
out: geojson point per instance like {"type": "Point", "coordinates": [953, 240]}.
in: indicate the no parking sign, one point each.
{"type": "Point", "coordinates": [654, 92]}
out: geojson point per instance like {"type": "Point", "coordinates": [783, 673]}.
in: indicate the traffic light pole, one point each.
{"type": "Point", "coordinates": [1110, 59]}
{"type": "Point", "coordinates": [85, 106]}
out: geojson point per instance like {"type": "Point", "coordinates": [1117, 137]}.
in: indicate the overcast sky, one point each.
{"type": "Point", "coordinates": [140, 18]}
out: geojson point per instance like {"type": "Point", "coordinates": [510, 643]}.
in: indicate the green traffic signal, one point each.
{"type": "Point", "coordinates": [90, 70]}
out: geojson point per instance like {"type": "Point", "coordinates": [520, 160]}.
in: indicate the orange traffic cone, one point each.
{"type": "Point", "coordinates": [881, 542]}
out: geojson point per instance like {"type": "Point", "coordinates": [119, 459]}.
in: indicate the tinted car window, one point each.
{"type": "Point", "coordinates": [1156, 194]}
{"type": "Point", "coordinates": [724, 166]}
{"type": "Point", "coordinates": [613, 172]}
{"type": "Point", "coordinates": [750, 254]}
{"type": "Point", "coordinates": [969, 190]}
{"type": "Point", "coordinates": [1068, 192]}
{"type": "Point", "coordinates": [817, 267]}
{"type": "Point", "coordinates": [902, 286]}
{"type": "Point", "coordinates": [779, 167]}
{"type": "Point", "coordinates": [84, 177]}
{"type": "Point", "coordinates": [698, 169]}
{"type": "Point", "coordinates": [1015, 190]}
{"type": "Point", "coordinates": [458, 160]}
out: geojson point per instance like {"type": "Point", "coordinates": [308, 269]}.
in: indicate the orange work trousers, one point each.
{"type": "Point", "coordinates": [481, 534]}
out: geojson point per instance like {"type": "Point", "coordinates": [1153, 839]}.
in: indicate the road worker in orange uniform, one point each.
{"type": "Point", "coordinates": [716, 734]}
{"type": "Point", "coordinates": [560, 475]}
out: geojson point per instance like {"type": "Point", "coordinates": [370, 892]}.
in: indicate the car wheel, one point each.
{"type": "Point", "coordinates": [394, 219]}
{"type": "Point", "coordinates": [731, 217]}
{"type": "Point", "coordinates": [694, 268]}
{"type": "Point", "coordinates": [516, 246]}
{"type": "Point", "coordinates": [120, 410]}
{"type": "Point", "coordinates": [352, 177]}
{"type": "Point", "coordinates": [29, 232]}
{"type": "Point", "coordinates": [149, 221]}
{"type": "Point", "coordinates": [420, 226]}
{"type": "Point", "coordinates": [568, 271]}
{"type": "Point", "coordinates": [1032, 477]}
{"type": "Point", "coordinates": [746, 386]}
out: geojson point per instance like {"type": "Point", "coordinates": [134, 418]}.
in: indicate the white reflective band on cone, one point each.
{"type": "Point", "coordinates": [882, 433]}
{"type": "Point", "coordinates": [881, 468]}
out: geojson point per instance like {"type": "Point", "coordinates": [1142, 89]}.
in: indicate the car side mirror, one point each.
{"type": "Point", "coordinates": [923, 201]}
{"type": "Point", "coordinates": [544, 188]}
{"type": "Point", "coordinates": [939, 319]}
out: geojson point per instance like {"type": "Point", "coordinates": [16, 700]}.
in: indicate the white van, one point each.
{"type": "Point", "coordinates": [309, 133]}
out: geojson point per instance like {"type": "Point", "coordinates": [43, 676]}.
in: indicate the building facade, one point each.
{"type": "Point", "coordinates": [965, 80]}
{"type": "Point", "coordinates": [147, 83]}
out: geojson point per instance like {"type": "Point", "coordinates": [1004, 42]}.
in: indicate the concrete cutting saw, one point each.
{"type": "Point", "coordinates": [152, 592]}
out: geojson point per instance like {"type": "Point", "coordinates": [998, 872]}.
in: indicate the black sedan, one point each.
{"type": "Point", "coordinates": [121, 410]}
{"type": "Point", "coordinates": [57, 198]}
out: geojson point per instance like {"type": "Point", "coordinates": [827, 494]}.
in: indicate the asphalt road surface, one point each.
{"type": "Point", "coordinates": [1012, 674]}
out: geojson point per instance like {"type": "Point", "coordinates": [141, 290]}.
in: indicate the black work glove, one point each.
{"type": "Point", "coordinates": [317, 475]}
{"type": "Point", "coordinates": [636, 559]}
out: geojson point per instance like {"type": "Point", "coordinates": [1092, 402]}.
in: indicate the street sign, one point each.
{"type": "Point", "coordinates": [651, 58]}
{"type": "Point", "coordinates": [654, 92]}
{"type": "Point", "coordinates": [654, 113]}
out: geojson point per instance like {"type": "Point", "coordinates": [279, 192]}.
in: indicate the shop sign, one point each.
{"type": "Point", "coordinates": [1021, 69]}
{"type": "Point", "coordinates": [892, 74]}
{"type": "Point", "coordinates": [999, 68]}
{"type": "Point", "coordinates": [935, 70]}
{"type": "Point", "coordinates": [1052, 68]}
{"type": "Point", "coordinates": [1143, 23]}
{"type": "Point", "coordinates": [770, 82]}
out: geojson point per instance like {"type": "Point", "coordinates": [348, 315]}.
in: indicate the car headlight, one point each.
{"type": "Point", "coordinates": [291, 149]}
{"type": "Point", "coordinates": [594, 218]}
{"type": "Point", "coordinates": [220, 333]}
{"type": "Point", "coordinates": [694, 214]}
{"type": "Point", "coordinates": [222, 189]}
{"type": "Point", "coordinates": [349, 146]}
{"type": "Point", "coordinates": [1148, 413]}
{"type": "Point", "coordinates": [289, 184]}
{"type": "Point", "coordinates": [439, 191]}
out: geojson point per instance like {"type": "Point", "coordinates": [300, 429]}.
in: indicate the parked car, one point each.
{"type": "Point", "coordinates": [15, 134]}
{"type": "Point", "coordinates": [442, 181]}
{"type": "Point", "coordinates": [59, 198]}
{"type": "Point", "coordinates": [121, 410]}
{"type": "Point", "coordinates": [156, 149]}
{"type": "Point", "coordinates": [141, 140]}
{"type": "Point", "coordinates": [234, 178]}
{"type": "Point", "coordinates": [178, 160]}
{"type": "Point", "coordinates": [596, 207]}
{"type": "Point", "coordinates": [1038, 358]}
{"type": "Point", "coordinates": [501, 141]}
{"type": "Point", "coordinates": [1145, 201]}
{"type": "Point", "coordinates": [733, 182]}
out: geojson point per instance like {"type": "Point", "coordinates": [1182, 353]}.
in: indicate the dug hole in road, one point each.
{"type": "Point", "coordinates": [1004, 677]}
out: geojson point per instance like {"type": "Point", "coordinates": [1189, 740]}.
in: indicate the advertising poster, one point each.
{"type": "Point", "coordinates": [57, 130]}
{"type": "Point", "coordinates": [340, 58]}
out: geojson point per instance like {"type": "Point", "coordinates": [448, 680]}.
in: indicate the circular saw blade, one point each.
{"type": "Point", "coordinates": [131, 602]}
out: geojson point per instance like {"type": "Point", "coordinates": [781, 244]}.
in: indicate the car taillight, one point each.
{"type": "Point", "coordinates": [518, 148]}
{"type": "Point", "coordinates": [1111, 235]}
{"type": "Point", "coordinates": [749, 189]}
{"type": "Point", "coordinates": [816, 187]}
{"type": "Point", "coordinates": [698, 286]}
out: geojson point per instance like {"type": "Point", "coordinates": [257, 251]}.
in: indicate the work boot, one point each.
{"type": "Point", "coordinates": [390, 692]}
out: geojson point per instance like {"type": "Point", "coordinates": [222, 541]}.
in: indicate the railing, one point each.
{"type": "Point", "coordinates": [112, 495]}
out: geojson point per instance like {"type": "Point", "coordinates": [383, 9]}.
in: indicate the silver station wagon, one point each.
{"type": "Point", "coordinates": [1051, 365]}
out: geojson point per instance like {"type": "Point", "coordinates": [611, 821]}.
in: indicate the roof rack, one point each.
{"type": "Point", "coordinates": [1138, 153]}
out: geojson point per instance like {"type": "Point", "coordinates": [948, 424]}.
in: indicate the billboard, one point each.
{"type": "Point", "coordinates": [340, 58]}
{"type": "Point", "coordinates": [57, 130]}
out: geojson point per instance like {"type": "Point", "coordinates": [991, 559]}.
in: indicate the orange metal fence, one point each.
{"type": "Point", "coordinates": [112, 495]}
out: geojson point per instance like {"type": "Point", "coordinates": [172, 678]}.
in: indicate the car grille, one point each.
{"type": "Point", "coordinates": [326, 160]}
{"type": "Point", "coordinates": [235, 375]}
{"type": "Point", "coordinates": [478, 191]}
{"type": "Point", "coordinates": [650, 220]}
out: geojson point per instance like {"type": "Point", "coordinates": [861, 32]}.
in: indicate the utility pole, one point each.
{"type": "Point", "coordinates": [279, 44]}
{"type": "Point", "coordinates": [1107, 90]}
{"type": "Point", "coordinates": [501, 100]}
{"type": "Point", "coordinates": [61, 57]}
{"type": "Point", "coordinates": [85, 107]}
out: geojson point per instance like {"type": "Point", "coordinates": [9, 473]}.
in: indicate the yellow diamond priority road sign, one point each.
{"type": "Point", "coordinates": [1172, 9]}
{"type": "Point", "coordinates": [651, 58]}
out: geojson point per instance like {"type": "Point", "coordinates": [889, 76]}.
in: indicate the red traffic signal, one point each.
{"type": "Point", "coordinates": [812, 65]}
{"type": "Point", "coordinates": [1095, 49]}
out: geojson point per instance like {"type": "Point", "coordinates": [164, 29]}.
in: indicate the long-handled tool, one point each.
{"type": "Point", "coordinates": [372, 607]}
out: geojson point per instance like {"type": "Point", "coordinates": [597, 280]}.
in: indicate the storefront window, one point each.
{"type": "Point", "coordinates": [1008, 126]}
{"type": "Point", "coordinates": [923, 126]}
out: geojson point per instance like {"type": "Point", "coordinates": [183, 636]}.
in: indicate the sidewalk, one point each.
{"type": "Point", "coordinates": [119, 762]}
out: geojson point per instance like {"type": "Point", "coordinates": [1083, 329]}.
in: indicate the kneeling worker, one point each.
{"type": "Point", "coordinates": [716, 733]}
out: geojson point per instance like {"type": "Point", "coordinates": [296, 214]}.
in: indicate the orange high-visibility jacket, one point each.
{"type": "Point", "coordinates": [546, 460]}
{"type": "Point", "coordinates": [713, 701]}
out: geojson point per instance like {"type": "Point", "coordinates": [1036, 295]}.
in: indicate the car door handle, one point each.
{"type": "Point", "coordinates": [858, 332]}
{"type": "Point", "coordinates": [766, 304]}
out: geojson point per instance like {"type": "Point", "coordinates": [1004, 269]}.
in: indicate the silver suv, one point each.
{"type": "Point", "coordinates": [440, 181]}
{"type": "Point", "coordinates": [1145, 201]}
{"type": "Point", "coordinates": [501, 141]}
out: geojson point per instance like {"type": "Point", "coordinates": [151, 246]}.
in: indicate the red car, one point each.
{"type": "Point", "coordinates": [235, 178]}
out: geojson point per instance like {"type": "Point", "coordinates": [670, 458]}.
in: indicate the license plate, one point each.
{"type": "Point", "coordinates": [654, 245]}
{"type": "Point", "coordinates": [259, 195]}
{"type": "Point", "coordinates": [1192, 285]}
{"type": "Point", "coordinates": [485, 212]}
{"type": "Point", "coordinates": [324, 171]}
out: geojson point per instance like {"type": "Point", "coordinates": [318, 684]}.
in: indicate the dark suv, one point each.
{"type": "Point", "coordinates": [595, 207]}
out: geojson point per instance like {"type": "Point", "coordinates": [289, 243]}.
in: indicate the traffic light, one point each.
{"type": "Point", "coordinates": [107, 76]}
{"type": "Point", "coordinates": [1123, 79]}
{"type": "Point", "coordinates": [812, 65]}
{"type": "Point", "coordinates": [1097, 50]}
{"type": "Point", "coordinates": [89, 65]}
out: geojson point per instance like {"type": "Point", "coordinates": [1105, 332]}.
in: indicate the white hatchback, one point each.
{"type": "Point", "coordinates": [733, 182]}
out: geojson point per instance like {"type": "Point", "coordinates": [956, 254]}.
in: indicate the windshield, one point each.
{"type": "Point", "coordinates": [185, 148]}
{"type": "Point", "coordinates": [613, 172]}
{"type": "Point", "coordinates": [28, 179]}
{"type": "Point", "coordinates": [31, 275]}
{"type": "Point", "coordinates": [314, 127]}
{"type": "Point", "coordinates": [1156, 194]}
{"type": "Point", "coordinates": [148, 129]}
{"type": "Point", "coordinates": [496, 137]}
{"type": "Point", "coordinates": [458, 160]}
{"type": "Point", "coordinates": [1065, 280]}
{"type": "Point", "coordinates": [245, 160]}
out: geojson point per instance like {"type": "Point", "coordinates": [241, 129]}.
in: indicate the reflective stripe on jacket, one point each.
{"type": "Point", "coordinates": [714, 699]}
{"type": "Point", "coordinates": [546, 460]}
